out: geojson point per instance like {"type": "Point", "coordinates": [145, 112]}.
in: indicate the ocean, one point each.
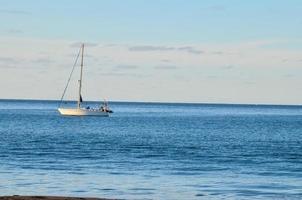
{"type": "Point", "coordinates": [152, 151]}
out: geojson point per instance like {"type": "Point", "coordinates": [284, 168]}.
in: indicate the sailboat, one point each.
{"type": "Point", "coordinates": [102, 111]}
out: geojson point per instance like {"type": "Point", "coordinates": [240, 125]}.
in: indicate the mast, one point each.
{"type": "Point", "coordinates": [80, 81]}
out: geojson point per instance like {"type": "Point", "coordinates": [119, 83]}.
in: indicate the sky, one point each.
{"type": "Point", "coordinates": [209, 51]}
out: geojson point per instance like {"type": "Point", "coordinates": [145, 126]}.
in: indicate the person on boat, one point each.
{"type": "Point", "coordinates": [105, 108]}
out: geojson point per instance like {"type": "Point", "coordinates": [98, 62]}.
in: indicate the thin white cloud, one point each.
{"type": "Point", "coordinates": [165, 60]}
{"type": "Point", "coordinates": [14, 31]}
{"type": "Point", "coordinates": [9, 61]}
{"type": "Point", "coordinates": [150, 48]}
{"type": "Point", "coordinates": [42, 61]}
{"type": "Point", "coordinates": [121, 74]}
{"type": "Point", "coordinates": [289, 75]}
{"type": "Point", "coordinates": [14, 12]}
{"type": "Point", "coordinates": [187, 49]}
{"type": "Point", "coordinates": [217, 8]}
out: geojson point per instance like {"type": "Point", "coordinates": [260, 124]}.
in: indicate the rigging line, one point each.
{"type": "Point", "coordinates": [69, 77]}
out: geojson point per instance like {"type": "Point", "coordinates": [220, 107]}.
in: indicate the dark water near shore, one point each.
{"type": "Point", "coordinates": [152, 151]}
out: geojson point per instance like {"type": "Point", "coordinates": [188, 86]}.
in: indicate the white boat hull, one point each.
{"type": "Point", "coordinates": [82, 112]}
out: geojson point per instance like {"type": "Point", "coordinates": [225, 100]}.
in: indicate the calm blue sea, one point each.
{"type": "Point", "coordinates": [152, 151]}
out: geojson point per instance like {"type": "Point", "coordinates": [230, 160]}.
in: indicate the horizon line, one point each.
{"type": "Point", "coordinates": [157, 102]}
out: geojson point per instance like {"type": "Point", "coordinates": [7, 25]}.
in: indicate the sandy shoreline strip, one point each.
{"type": "Point", "coordinates": [17, 197]}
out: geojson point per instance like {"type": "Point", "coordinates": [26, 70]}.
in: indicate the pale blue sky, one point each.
{"type": "Point", "coordinates": [167, 21]}
{"type": "Point", "coordinates": [226, 51]}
